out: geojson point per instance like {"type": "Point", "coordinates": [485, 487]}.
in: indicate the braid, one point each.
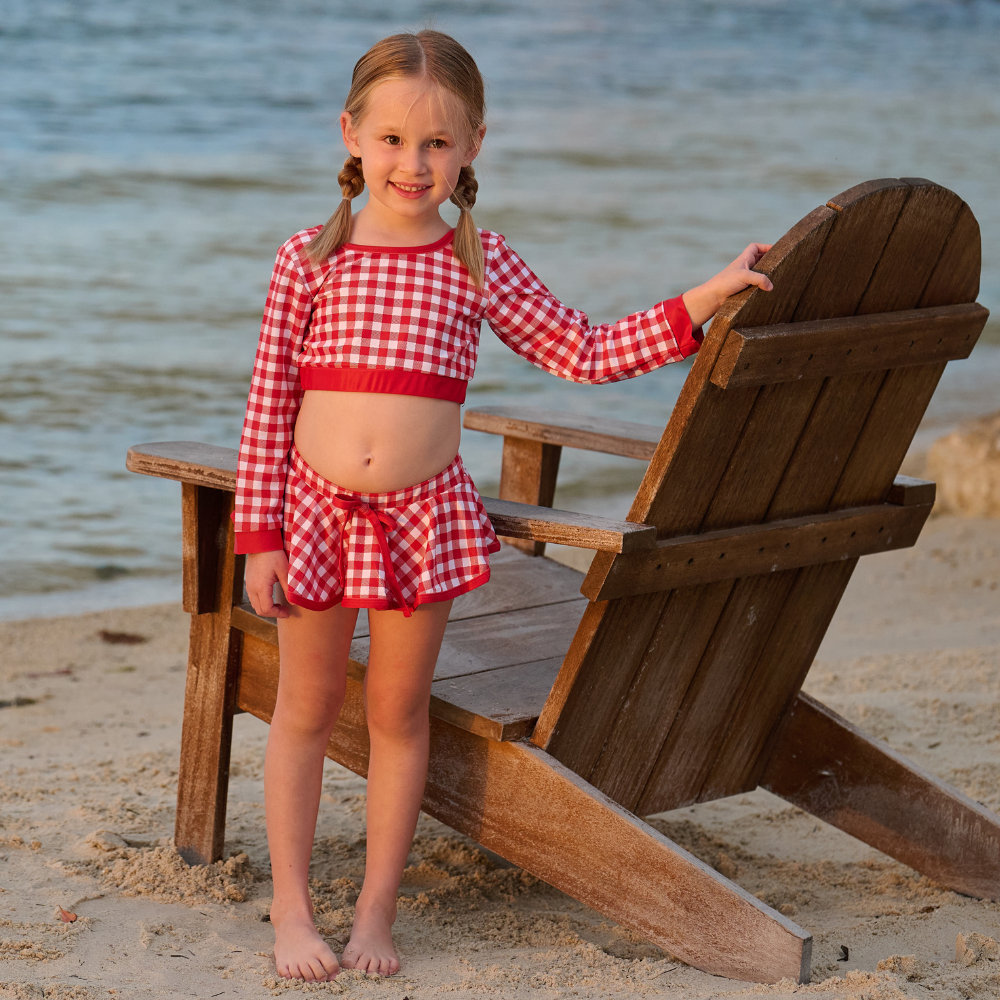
{"type": "Point", "coordinates": [351, 178]}
{"type": "Point", "coordinates": [337, 230]}
{"type": "Point", "coordinates": [467, 246]}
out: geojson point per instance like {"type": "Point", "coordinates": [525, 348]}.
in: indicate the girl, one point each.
{"type": "Point", "coordinates": [351, 491]}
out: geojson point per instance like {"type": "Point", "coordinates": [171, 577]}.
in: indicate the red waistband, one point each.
{"type": "Point", "coordinates": [400, 383]}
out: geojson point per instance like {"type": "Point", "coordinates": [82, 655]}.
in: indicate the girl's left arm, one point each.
{"type": "Point", "coordinates": [530, 320]}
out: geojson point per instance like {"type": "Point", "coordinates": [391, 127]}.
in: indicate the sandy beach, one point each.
{"type": "Point", "coordinates": [89, 737]}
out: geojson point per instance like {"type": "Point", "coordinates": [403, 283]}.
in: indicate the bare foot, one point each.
{"type": "Point", "coordinates": [371, 949]}
{"type": "Point", "coordinates": [300, 953]}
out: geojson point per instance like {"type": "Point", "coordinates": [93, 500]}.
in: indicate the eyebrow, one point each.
{"type": "Point", "coordinates": [396, 130]}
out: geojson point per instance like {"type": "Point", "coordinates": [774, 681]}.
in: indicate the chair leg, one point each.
{"type": "Point", "coordinates": [826, 766]}
{"type": "Point", "coordinates": [211, 578]}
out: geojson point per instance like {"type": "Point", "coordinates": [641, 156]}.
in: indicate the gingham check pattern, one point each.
{"type": "Point", "coordinates": [439, 540]}
{"type": "Point", "coordinates": [415, 310]}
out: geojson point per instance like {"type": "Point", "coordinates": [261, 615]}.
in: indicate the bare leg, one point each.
{"type": "Point", "coordinates": [314, 648]}
{"type": "Point", "coordinates": [397, 703]}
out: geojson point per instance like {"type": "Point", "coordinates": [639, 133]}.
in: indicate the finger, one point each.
{"type": "Point", "coordinates": [762, 281]}
{"type": "Point", "coordinates": [263, 604]}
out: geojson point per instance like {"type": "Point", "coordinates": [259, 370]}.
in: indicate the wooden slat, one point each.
{"type": "Point", "coordinates": [487, 642]}
{"type": "Point", "coordinates": [521, 803]}
{"type": "Point", "coordinates": [828, 767]}
{"type": "Point", "coordinates": [866, 217]}
{"type": "Point", "coordinates": [769, 690]}
{"type": "Point", "coordinates": [595, 676]}
{"type": "Point", "coordinates": [185, 461]}
{"type": "Point", "coordinates": [912, 252]}
{"type": "Point", "coordinates": [956, 274]}
{"type": "Point", "coordinates": [528, 475]}
{"type": "Point", "coordinates": [209, 693]}
{"type": "Point", "coordinates": [571, 430]}
{"type": "Point", "coordinates": [764, 548]}
{"type": "Point", "coordinates": [565, 527]}
{"type": "Point", "coordinates": [665, 672]}
{"type": "Point", "coordinates": [700, 725]}
{"type": "Point", "coordinates": [500, 704]}
{"type": "Point", "coordinates": [786, 352]}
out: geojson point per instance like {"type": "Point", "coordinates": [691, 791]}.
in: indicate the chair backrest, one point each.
{"type": "Point", "coordinates": [671, 696]}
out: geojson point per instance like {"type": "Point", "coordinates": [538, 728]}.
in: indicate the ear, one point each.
{"type": "Point", "coordinates": [475, 148]}
{"type": "Point", "coordinates": [349, 133]}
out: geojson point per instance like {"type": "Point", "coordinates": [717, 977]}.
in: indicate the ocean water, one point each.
{"type": "Point", "coordinates": [154, 156]}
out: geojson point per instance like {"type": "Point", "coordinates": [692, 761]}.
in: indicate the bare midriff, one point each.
{"type": "Point", "coordinates": [371, 442]}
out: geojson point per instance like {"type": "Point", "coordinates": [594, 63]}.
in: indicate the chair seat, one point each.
{"type": "Point", "coordinates": [502, 649]}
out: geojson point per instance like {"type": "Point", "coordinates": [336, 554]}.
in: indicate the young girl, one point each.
{"type": "Point", "coordinates": [351, 491]}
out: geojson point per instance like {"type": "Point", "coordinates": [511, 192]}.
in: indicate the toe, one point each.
{"type": "Point", "coordinates": [315, 971]}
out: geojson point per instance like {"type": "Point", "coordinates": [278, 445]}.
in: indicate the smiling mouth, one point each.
{"type": "Point", "coordinates": [411, 188]}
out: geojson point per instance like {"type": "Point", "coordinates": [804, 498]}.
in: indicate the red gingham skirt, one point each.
{"type": "Point", "coordinates": [398, 550]}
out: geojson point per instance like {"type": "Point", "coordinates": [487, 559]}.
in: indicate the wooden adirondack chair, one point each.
{"type": "Point", "coordinates": [558, 720]}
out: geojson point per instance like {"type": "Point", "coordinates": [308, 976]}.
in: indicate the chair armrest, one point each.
{"type": "Point", "coordinates": [187, 462]}
{"type": "Point", "coordinates": [209, 465]}
{"type": "Point", "coordinates": [614, 437]}
{"type": "Point", "coordinates": [564, 527]}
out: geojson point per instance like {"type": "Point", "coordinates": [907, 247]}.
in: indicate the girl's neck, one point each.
{"type": "Point", "coordinates": [373, 229]}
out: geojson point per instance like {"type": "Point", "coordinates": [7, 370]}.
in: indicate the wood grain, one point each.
{"type": "Point", "coordinates": [769, 690]}
{"type": "Point", "coordinates": [486, 642]}
{"type": "Point", "coordinates": [706, 708]}
{"type": "Point", "coordinates": [785, 352]}
{"type": "Point", "coordinates": [528, 475]}
{"type": "Point", "coordinates": [186, 461]}
{"type": "Point", "coordinates": [204, 513]}
{"type": "Point", "coordinates": [587, 531]}
{"type": "Point", "coordinates": [830, 768]}
{"type": "Point", "coordinates": [501, 704]}
{"type": "Point", "coordinates": [209, 700]}
{"type": "Point", "coordinates": [570, 430]}
{"type": "Point", "coordinates": [665, 672]}
{"type": "Point", "coordinates": [764, 548]}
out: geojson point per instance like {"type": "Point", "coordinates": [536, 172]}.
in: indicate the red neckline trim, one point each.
{"type": "Point", "coordinates": [444, 241]}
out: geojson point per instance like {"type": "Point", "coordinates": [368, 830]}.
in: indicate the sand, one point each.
{"type": "Point", "coordinates": [95, 902]}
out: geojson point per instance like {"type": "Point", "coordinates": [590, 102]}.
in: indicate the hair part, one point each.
{"type": "Point", "coordinates": [440, 58]}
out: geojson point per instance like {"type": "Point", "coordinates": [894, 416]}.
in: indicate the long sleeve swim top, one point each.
{"type": "Point", "coordinates": [407, 320]}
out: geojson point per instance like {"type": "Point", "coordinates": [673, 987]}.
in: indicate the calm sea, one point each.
{"type": "Point", "coordinates": [154, 156]}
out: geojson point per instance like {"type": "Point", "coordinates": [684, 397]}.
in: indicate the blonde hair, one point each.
{"type": "Point", "coordinates": [440, 58]}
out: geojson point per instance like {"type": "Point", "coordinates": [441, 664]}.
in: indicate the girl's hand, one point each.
{"type": "Point", "coordinates": [704, 301]}
{"type": "Point", "coordinates": [264, 570]}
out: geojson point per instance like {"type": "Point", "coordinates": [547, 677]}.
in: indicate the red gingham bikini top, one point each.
{"type": "Point", "coordinates": [407, 320]}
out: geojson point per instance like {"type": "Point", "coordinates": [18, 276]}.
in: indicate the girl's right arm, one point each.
{"type": "Point", "coordinates": [273, 404]}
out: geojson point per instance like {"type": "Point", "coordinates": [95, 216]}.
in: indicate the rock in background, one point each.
{"type": "Point", "coordinates": [966, 466]}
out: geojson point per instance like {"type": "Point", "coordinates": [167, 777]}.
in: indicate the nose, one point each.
{"type": "Point", "coordinates": [413, 160]}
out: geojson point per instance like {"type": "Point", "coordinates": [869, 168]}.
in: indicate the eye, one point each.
{"type": "Point", "coordinates": [392, 140]}
{"type": "Point", "coordinates": [437, 143]}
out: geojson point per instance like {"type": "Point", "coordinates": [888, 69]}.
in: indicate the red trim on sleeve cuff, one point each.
{"type": "Point", "coordinates": [688, 339]}
{"type": "Point", "coordinates": [265, 540]}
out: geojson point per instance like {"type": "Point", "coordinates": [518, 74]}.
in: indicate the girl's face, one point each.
{"type": "Point", "coordinates": [412, 142]}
